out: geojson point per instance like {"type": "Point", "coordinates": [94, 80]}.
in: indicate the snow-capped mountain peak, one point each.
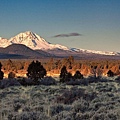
{"type": "Point", "coordinates": [28, 38]}
{"type": "Point", "coordinates": [34, 41]}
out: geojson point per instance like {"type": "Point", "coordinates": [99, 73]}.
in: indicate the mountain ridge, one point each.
{"type": "Point", "coordinates": [36, 42]}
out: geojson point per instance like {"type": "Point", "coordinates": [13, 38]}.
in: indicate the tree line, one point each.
{"type": "Point", "coordinates": [36, 70]}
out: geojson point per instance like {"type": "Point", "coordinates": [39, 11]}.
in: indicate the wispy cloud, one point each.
{"type": "Point", "coordinates": [68, 35]}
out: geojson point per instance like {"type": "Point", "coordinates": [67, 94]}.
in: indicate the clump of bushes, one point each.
{"type": "Point", "coordinates": [66, 76]}
{"type": "Point", "coordinates": [55, 109]}
{"type": "Point", "coordinates": [48, 81]}
{"type": "Point", "coordinates": [69, 96]}
{"type": "Point", "coordinates": [7, 83]}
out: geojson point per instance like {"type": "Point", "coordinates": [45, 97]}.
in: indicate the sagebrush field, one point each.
{"type": "Point", "coordinates": [95, 101]}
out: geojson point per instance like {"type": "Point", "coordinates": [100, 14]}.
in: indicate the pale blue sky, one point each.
{"type": "Point", "coordinates": [97, 21]}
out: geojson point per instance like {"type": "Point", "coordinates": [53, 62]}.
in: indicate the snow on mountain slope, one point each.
{"type": "Point", "coordinates": [34, 41]}
{"type": "Point", "coordinates": [94, 51]}
{"type": "Point", "coordinates": [4, 42]}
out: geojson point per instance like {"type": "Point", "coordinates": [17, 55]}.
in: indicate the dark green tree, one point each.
{"type": "Point", "coordinates": [36, 71]}
{"type": "Point", "coordinates": [11, 75]}
{"type": "Point", "coordinates": [1, 72]}
{"type": "Point", "coordinates": [68, 76]}
{"type": "Point", "coordinates": [78, 75]}
{"type": "Point", "coordinates": [110, 73]}
{"type": "Point", "coordinates": [64, 75]}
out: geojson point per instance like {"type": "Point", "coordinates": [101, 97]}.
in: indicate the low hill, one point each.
{"type": "Point", "coordinates": [20, 50]}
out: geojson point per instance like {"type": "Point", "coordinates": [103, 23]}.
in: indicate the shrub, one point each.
{"type": "Point", "coordinates": [8, 83]}
{"type": "Point", "coordinates": [117, 79]}
{"type": "Point", "coordinates": [81, 106]}
{"type": "Point", "coordinates": [25, 81]}
{"type": "Point", "coordinates": [69, 96]}
{"type": "Point", "coordinates": [48, 81]}
{"type": "Point", "coordinates": [77, 82]}
{"type": "Point", "coordinates": [11, 75]}
{"type": "Point", "coordinates": [78, 75]}
{"type": "Point", "coordinates": [55, 109]}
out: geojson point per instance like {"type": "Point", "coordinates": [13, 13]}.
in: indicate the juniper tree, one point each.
{"type": "Point", "coordinates": [78, 75]}
{"type": "Point", "coordinates": [36, 71]}
{"type": "Point", "coordinates": [64, 75]}
{"type": "Point", "coordinates": [110, 73]}
{"type": "Point", "coordinates": [11, 75]}
{"type": "Point", "coordinates": [1, 72]}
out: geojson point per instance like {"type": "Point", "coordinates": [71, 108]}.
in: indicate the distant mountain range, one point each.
{"type": "Point", "coordinates": [31, 45]}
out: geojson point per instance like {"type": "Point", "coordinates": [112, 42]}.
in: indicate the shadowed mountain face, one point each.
{"type": "Point", "coordinates": [19, 50]}
{"type": "Point", "coordinates": [12, 56]}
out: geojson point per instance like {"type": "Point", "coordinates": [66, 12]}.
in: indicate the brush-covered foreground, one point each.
{"type": "Point", "coordinates": [95, 101]}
